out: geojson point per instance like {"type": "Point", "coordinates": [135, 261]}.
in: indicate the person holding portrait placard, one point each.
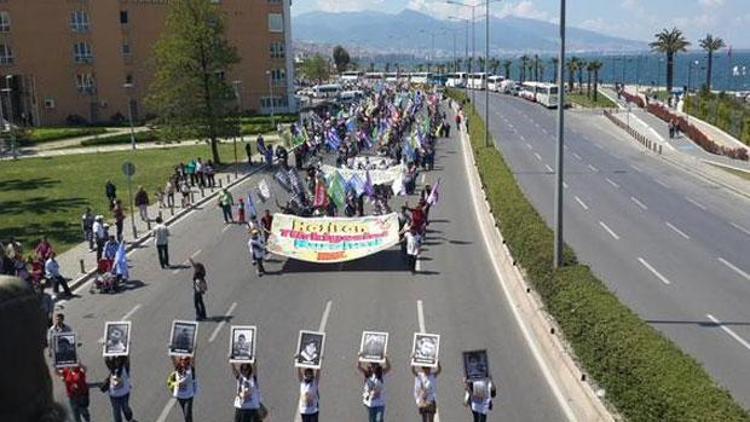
{"type": "Point", "coordinates": [308, 394]}
{"type": "Point", "coordinates": [183, 384]}
{"type": "Point", "coordinates": [117, 386]}
{"type": "Point", "coordinates": [425, 391]}
{"type": "Point", "coordinates": [373, 394]}
{"type": "Point", "coordinates": [247, 400]}
{"type": "Point", "coordinates": [479, 395]}
{"type": "Point", "coordinates": [78, 391]}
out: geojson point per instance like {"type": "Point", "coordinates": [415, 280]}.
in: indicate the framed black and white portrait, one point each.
{"type": "Point", "coordinates": [116, 338]}
{"type": "Point", "coordinates": [373, 347]}
{"type": "Point", "coordinates": [183, 338]}
{"type": "Point", "coordinates": [64, 347]}
{"type": "Point", "coordinates": [310, 345]}
{"type": "Point", "coordinates": [425, 350]}
{"type": "Point", "coordinates": [242, 344]}
{"type": "Point", "coordinates": [476, 365]}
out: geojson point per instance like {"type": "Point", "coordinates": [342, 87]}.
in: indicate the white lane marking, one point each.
{"type": "Point", "coordinates": [565, 147]}
{"type": "Point", "coordinates": [131, 312]}
{"type": "Point", "coordinates": [636, 168]}
{"type": "Point", "coordinates": [565, 185]}
{"type": "Point", "coordinates": [528, 145]}
{"type": "Point", "coordinates": [612, 182]}
{"type": "Point", "coordinates": [544, 131]}
{"type": "Point", "coordinates": [222, 323]}
{"type": "Point", "coordinates": [538, 157]}
{"type": "Point", "coordinates": [740, 228]}
{"type": "Point", "coordinates": [510, 125]}
{"type": "Point", "coordinates": [549, 169]}
{"type": "Point", "coordinates": [696, 203]}
{"type": "Point", "coordinates": [729, 331]}
{"type": "Point", "coordinates": [420, 317]}
{"type": "Point", "coordinates": [735, 268]}
{"type": "Point", "coordinates": [581, 203]}
{"type": "Point", "coordinates": [176, 271]}
{"type": "Point", "coordinates": [639, 203]}
{"type": "Point", "coordinates": [578, 157]}
{"type": "Point", "coordinates": [608, 230]}
{"type": "Point", "coordinates": [227, 227]}
{"type": "Point", "coordinates": [598, 146]}
{"type": "Point", "coordinates": [324, 318]}
{"type": "Point", "coordinates": [663, 184]}
{"type": "Point", "coordinates": [653, 271]}
{"type": "Point", "coordinates": [655, 132]}
{"type": "Point", "coordinates": [594, 169]}
{"type": "Point", "coordinates": [421, 178]}
{"type": "Point", "coordinates": [418, 265]}
{"type": "Point", "coordinates": [196, 253]}
{"type": "Point", "coordinates": [523, 138]}
{"type": "Point", "coordinates": [678, 231]}
{"type": "Point", "coordinates": [165, 412]}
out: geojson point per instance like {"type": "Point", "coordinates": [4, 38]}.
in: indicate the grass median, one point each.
{"type": "Point", "coordinates": [41, 196]}
{"type": "Point", "coordinates": [645, 375]}
{"type": "Point", "coordinates": [582, 100]}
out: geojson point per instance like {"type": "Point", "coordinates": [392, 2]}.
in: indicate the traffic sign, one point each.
{"type": "Point", "coordinates": [128, 168]}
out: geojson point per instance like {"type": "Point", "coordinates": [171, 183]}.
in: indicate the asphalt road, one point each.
{"type": "Point", "coordinates": [458, 291]}
{"type": "Point", "coordinates": [673, 247]}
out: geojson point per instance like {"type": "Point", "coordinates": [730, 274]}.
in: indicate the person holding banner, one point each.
{"type": "Point", "coordinates": [425, 391]}
{"type": "Point", "coordinates": [373, 394]}
{"type": "Point", "coordinates": [247, 399]}
{"type": "Point", "coordinates": [308, 393]}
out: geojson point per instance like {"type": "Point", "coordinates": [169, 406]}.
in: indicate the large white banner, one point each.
{"type": "Point", "coordinates": [378, 177]}
{"type": "Point", "coordinates": [331, 239]}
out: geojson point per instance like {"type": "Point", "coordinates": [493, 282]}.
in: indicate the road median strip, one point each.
{"type": "Point", "coordinates": [646, 377]}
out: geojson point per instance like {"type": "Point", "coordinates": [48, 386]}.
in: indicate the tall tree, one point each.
{"type": "Point", "coordinates": [572, 67]}
{"type": "Point", "coordinates": [524, 65]}
{"type": "Point", "coordinates": [341, 58]}
{"type": "Point", "coordinates": [372, 67]}
{"type": "Point", "coordinates": [595, 67]}
{"type": "Point", "coordinates": [506, 67]}
{"type": "Point", "coordinates": [535, 61]}
{"type": "Point", "coordinates": [555, 61]}
{"type": "Point", "coordinates": [711, 45]}
{"type": "Point", "coordinates": [670, 42]}
{"type": "Point", "coordinates": [589, 70]}
{"type": "Point", "coordinates": [316, 69]}
{"type": "Point", "coordinates": [581, 68]}
{"type": "Point", "coordinates": [189, 92]}
{"type": "Point", "coordinates": [387, 67]}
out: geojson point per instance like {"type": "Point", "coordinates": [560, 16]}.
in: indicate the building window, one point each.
{"type": "Point", "coordinates": [82, 53]}
{"type": "Point", "coordinates": [6, 54]}
{"type": "Point", "coordinates": [85, 82]}
{"type": "Point", "coordinates": [275, 22]}
{"type": "Point", "coordinates": [278, 76]}
{"type": "Point", "coordinates": [125, 49]}
{"type": "Point", "coordinates": [4, 22]}
{"type": "Point", "coordinates": [278, 102]}
{"type": "Point", "coordinates": [123, 17]}
{"type": "Point", "coordinates": [129, 79]}
{"type": "Point", "coordinates": [49, 103]}
{"type": "Point", "coordinates": [277, 50]}
{"type": "Point", "coordinates": [79, 21]}
{"type": "Point", "coordinates": [274, 1]}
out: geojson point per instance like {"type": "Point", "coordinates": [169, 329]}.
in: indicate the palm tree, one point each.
{"type": "Point", "coordinates": [670, 42]}
{"type": "Point", "coordinates": [420, 67]}
{"type": "Point", "coordinates": [506, 67]}
{"type": "Point", "coordinates": [458, 65]}
{"type": "Point", "coordinates": [387, 67]}
{"type": "Point", "coordinates": [540, 68]}
{"type": "Point", "coordinates": [535, 62]}
{"type": "Point", "coordinates": [581, 68]}
{"type": "Point", "coordinates": [711, 44]}
{"type": "Point", "coordinates": [555, 61]}
{"type": "Point", "coordinates": [595, 67]}
{"type": "Point", "coordinates": [572, 67]}
{"type": "Point", "coordinates": [524, 65]}
{"type": "Point", "coordinates": [494, 66]}
{"type": "Point", "coordinates": [589, 69]}
{"type": "Point", "coordinates": [470, 64]}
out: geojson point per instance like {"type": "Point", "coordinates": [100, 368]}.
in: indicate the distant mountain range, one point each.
{"type": "Point", "coordinates": [409, 31]}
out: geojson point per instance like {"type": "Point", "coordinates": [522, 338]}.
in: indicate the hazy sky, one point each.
{"type": "Point", "coordinates": [634, 19]}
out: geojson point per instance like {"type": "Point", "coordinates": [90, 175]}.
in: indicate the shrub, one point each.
{"type": "Point", "coordinates": [645, 375]}
{"type": "Point", "coordinates": [124, 138]}
{"type": "Point", "coordinates": [76, 120]}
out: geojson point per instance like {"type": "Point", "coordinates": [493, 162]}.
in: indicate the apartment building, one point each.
{"type": "Point", "coordinates": [91, 60]}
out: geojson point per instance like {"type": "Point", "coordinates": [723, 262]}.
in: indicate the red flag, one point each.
{"type": "Point", "coordinates": [321, 196]}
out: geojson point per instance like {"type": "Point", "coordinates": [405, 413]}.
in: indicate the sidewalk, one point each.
{"type": "Point", "coordinates": [68, 142]}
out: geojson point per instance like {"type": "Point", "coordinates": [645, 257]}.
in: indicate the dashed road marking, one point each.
{"type": "Point", "coordinates": [735, 268]}
{"type": "Point", "coordinates": [740, 228]}
{"type": "Point", "coordinates": [612, 182]}
{"type": "Point", "coordinates": [420, 317]}
{"type": "Point", "coordinates": [696, 203]}
{"type": "Point", "coordinates": [549, 169]}
{"type": "Point", "coordinates": [653, 271]}
{"type": "Point", "coordinates": [581, 203]}
{"type": "Point", "coordinates": [538, 157]}
{"type": "Point", "coordinates": [222, 323]}
{"type": "Point", "coordinates": [663, 184]}
{"type": "Point", "coordinates": [324, 318]}
{"type": "Point", "coordinates": [678, 231]}
{"type": "Point", "coordinates": [592, 168]}
{"type": "Point", "coordinates": [608, 230]}
{"type": "Point", "coordinates": [639, 203]}
{"type": "Point", "coordinates": [578, 157]}
{"type": "Point", "coordinates": [729, 331]}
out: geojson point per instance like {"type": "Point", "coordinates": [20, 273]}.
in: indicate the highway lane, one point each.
{"type": "Point", "coordinates": [460, 296]}
{"type": "Point", "coordinates": [670, 244]}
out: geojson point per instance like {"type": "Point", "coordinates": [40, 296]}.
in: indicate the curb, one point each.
{"type": "Point", "coordinates": [83, 279]}
{"type": "Point", "coordinates": [576, 397]}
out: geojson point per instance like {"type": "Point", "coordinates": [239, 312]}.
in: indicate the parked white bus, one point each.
{"type": "Point", "coordinates": [351, 76]}
{"type": "Point", "coordinates": [477, 81]}
{"type": "Point", "coordinates": [456, 80]}
{"type": "Point", "coordinates": [374, 76]}
{"type": "Point", "coordinates": [326, 91]}
{"type": "Point", "coordinates": [541, 92]}
{"type": "Point", "coordinates": [391, 77]}
{"type": "Point", "coordinates": [494, 83]}
{"type": "Point", "coordinates": [420, 77]}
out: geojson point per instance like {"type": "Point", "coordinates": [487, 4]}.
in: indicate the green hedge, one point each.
{"type": "Point", "coordinates": [645, 375]}
{"type": "Point", "coordinates": [143, 136]}
{"type": "Point", "coordinates": [49, 134]}
{"type": "Point", "coordinates": [723, 111]}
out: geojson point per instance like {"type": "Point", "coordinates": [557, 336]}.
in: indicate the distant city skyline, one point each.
{"type": "Point", "coordinates": [632, 19]}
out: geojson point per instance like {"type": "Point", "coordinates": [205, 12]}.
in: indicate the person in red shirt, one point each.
{"type": "Point", "coordinates": [265, 222]}
{"type": "Point", "coordinates": [78, 391]}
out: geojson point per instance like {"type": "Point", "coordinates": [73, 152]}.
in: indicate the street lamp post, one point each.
{"type": "Point", "coordinates": [128, 88]}
{"type": "Point", "coordinates": [8, 90]}
{"type": "Point", "coordinates": [558, 256]}
{"type": "Point", "coordinates": [238, 94]}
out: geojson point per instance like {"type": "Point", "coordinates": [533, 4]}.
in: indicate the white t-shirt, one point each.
{"type": "Point", "coordinates": [481, 396]}
{"type": "Point", "coordinates": [308, 397]}
{"type": "Point", "coordinates": [119, 386]}
{"type": "Point", "coordinates": [248, 393]}
{"type": "Point", "coordinates": [412, 243]}
{"type": "Point", "coordinates": [425, 388]}
{"type": "Point", "coordinates": [185, 385]}
{"type": "Point", "coordinates": [373, 394]}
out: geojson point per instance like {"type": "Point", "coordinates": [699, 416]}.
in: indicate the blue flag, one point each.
{"type": "Point", "coordinates": [121, 262]}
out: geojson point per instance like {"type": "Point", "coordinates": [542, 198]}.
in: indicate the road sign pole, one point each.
{"type": "Point", "coordinates": [560, 142]}
{"type": "Point", "coordinates": [130, 204]}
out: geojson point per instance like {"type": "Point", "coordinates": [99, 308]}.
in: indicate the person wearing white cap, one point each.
{"type": "Point", "coordinates": [100, 235]}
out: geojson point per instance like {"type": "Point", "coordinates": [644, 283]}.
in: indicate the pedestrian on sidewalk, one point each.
{"type": "Point", "coordinates": [77, 389]}
{"type": "Point", "coordinates": [199, 173]}
{"type": "Point", "coordinates": [100, 235]}
{"type": "Point", "coordinates": [87, 224]}
{"type": "Point", "coordinates": [241, 211]}
{"type": "Point", "coordinates": [249, 152]}
{"type": "Point", "coordinates": [141, 201]}
{"type": "Point", "coordinates": [110, 248]}
{"type": "Point", "coordinates": [111, 191]}
{"type": "Point", "coordinates": [247, 400]}
{"type": "Point", "coordinates": [185, 191]}
{"type": "Point", "coordinates": [184, 384]}
{"type": "Point", "coordinates": [257, 247]}
{"type": "Point", "coordinates": [478, 397]}
{"type": "Point", "coordinates": [119, 215]}
{"type": "Point", "coordinates": [225, 202]}
{"type": "Point", "coordinates": [44, 249]}
{"type": "Point", "coordinates": [373, 395]}
{"type": "Point", "coordinates": [161, 240]}
{"type": "Point", "coordinates": [169, 190]}
{"type": "Point", "coordinates": [118, 387]}
{"type": "Point", "coordinates": [309, 397]}
{"type": "Point", "coordinates": [190, 170]}
{"type": "Point", "coordinates": [670, 125]}
{"type": "Point", "coordinates": [425, 391]}
{"type": "Point", "coordinates": [14, 249]}
{"type": "Point", "coordinates": [52, 273]}
{"type": "Point", "coordinates": [159, 193]}
{"type": "Point", "coordinates": [200, 287]}
{"type": "Point", "coordinates": [210, 171]}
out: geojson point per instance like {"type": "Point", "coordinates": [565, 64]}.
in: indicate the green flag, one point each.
{"type": "Point", "coordinates": [337, 190]}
